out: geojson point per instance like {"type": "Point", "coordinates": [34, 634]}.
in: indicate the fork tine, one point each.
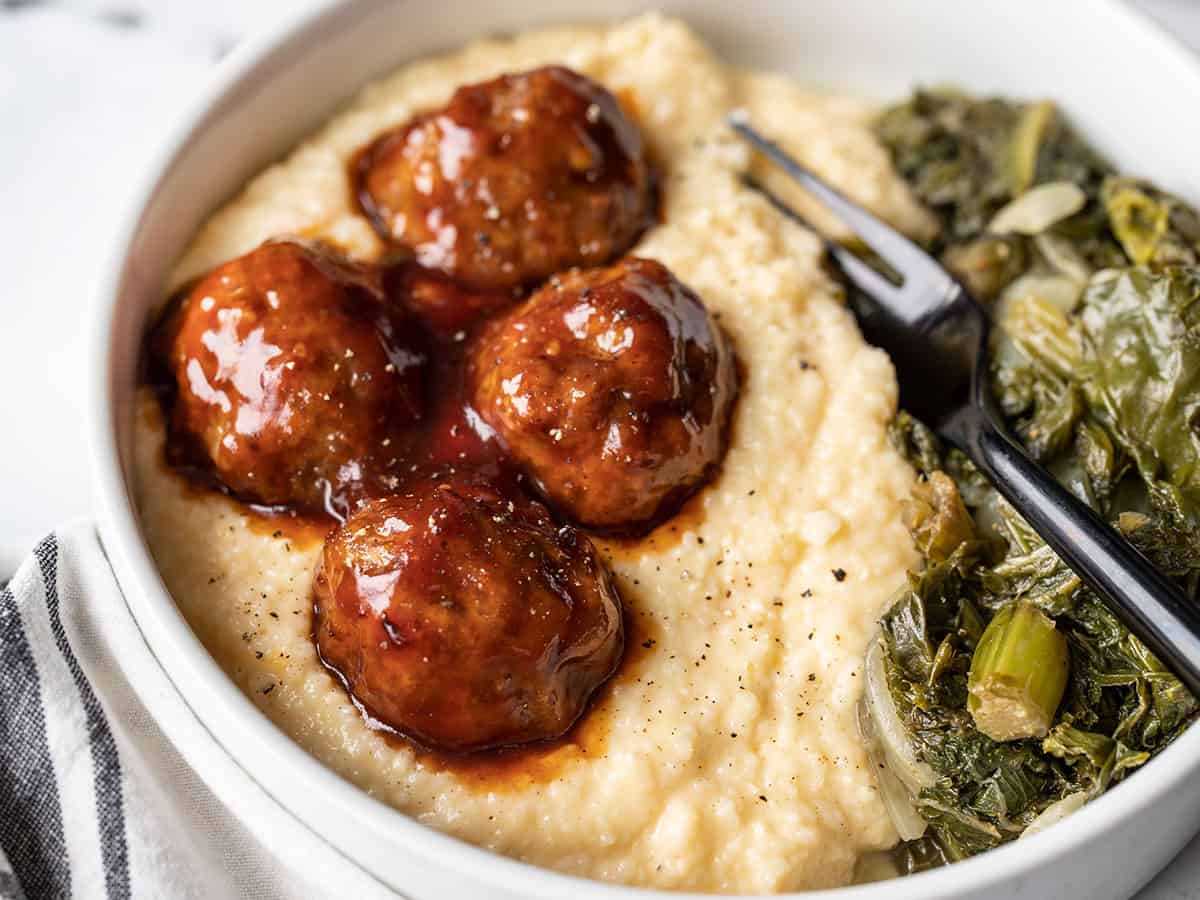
{"type": "Point", "coordinates": [862, 275]}
{"type": "Point", "coordinates": [895, 249]}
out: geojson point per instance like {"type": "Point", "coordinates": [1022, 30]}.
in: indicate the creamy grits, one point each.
{"type": "Point", "coordinates": [724, 755]}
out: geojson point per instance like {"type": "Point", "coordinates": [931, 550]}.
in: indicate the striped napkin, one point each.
{"type": "Point", "coordinates": [95, 800]}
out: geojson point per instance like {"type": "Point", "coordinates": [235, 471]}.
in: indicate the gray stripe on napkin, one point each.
{"type": "Point", "coordinates": [106, 764]}
{"type": "Point", "coordinates": [31, 830]}
{"type": "Point", "coordinates": [9, 889]}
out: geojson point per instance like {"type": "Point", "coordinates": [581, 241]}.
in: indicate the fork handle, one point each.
{"type": "Point", "coordinates": [1147, 602]}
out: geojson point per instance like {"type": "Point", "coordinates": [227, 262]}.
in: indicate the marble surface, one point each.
{"type": "Point", "coordinates": [84, 85]}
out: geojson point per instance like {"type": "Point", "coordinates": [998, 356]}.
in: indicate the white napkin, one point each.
{"type": "Point", "coordinates": [95, 801]}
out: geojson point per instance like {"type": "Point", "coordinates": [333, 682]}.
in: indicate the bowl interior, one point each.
{"type": "Point", "coordinates": [269, 94]}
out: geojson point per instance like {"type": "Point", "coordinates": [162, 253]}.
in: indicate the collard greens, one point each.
{"type": "Point", "coordinates": [1096, 364]}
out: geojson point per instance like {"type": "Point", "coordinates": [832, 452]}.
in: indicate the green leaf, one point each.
{"type": "Point", "coordinates": [1141, 375]}
{"type": "Point", "coordinates": [937, 518]}
{"type": "Point", "coordinates": [916, 443]}
{"type": "Point", "coordinates": [1153, 227]}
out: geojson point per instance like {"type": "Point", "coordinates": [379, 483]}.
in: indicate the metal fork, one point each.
{"type": "Point", "coordinates": [937, 337]}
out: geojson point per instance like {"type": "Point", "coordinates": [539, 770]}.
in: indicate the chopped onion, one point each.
{"type": "Point", "coordinates": [1039, 208]}
{"type": "Point", "coordinates": [1059, 290]}
{"type": "Point", "coordinates": [1027, 140]}
{"type": "Point", "coordinates": [900, 806]}
{"type": "Point", "coordinates": [898, 749]}
{"type": "Point", "coordinates": [967, 819]}
{"type": "Point", "coordinates": [1055, 813]}
{"type": "Point", "coordinates": [1062, 256]}
{"type": "Point", "coordinates": [897, 799]}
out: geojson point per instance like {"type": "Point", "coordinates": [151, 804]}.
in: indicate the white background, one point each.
{"type": "Point", "coordinates": [85, 87]}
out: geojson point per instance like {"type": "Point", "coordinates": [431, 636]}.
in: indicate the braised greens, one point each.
{"type": "Point", "coordinates": [966, 158]}
{"type": "Point", "coordinates": [1096, 365]}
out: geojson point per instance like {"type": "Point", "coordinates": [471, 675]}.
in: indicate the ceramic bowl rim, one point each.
{"type": "Point", "coordinates": [166, 631]}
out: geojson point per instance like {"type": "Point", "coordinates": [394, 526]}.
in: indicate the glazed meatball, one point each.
{"type": "Point", "coordinates": [613, 389]}
{"type": "Point", "coordinates": [464, 618]}
{"type": "Point", "coordinates": [291, 373]}
{"type": "Point", "coordinates": [513, 180]}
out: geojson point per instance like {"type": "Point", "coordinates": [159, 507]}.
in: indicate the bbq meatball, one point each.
{"type": "Point", "coordinates": [464, 618]}
{"type": "Point", "coordinates": [513, 180]}
{"type": "Point", "coordinates": [291, 373]}
{"type": "Point", "coordinates": [612, 388]}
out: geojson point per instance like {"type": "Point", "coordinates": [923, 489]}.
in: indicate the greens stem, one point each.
{"type": "Point", "coordinates": [1018, 674]}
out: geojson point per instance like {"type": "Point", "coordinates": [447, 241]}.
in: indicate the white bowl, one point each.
{"type": "Point", "coordinates": [1131, 89]}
